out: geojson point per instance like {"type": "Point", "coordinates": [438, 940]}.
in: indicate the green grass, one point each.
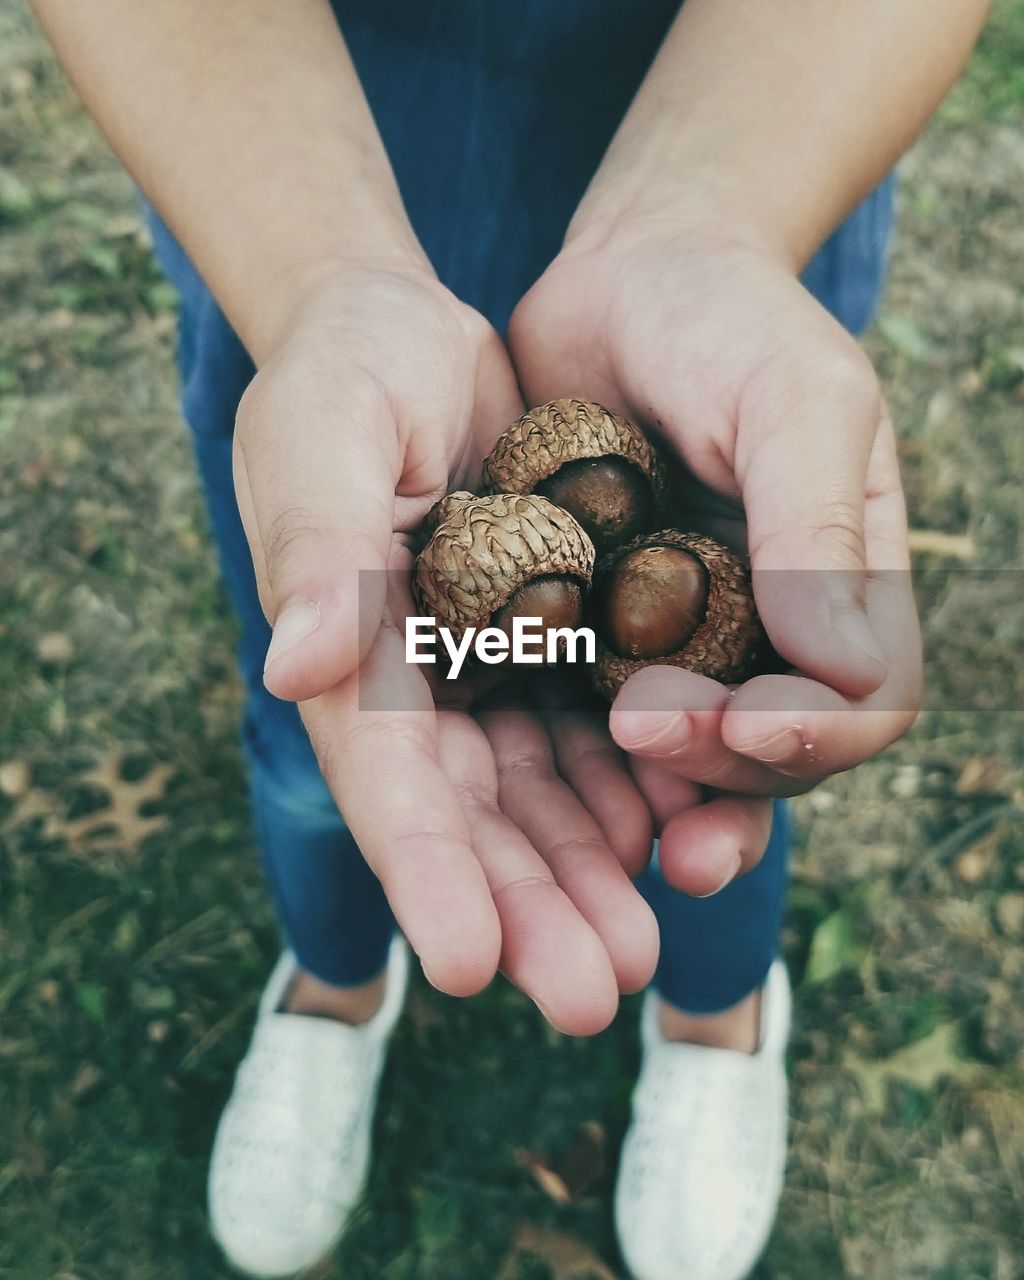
{"type": "Point", "coordinates": [992, 90]}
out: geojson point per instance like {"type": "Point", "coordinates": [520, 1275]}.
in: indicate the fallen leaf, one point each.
{"type": "Point", "coordinates": [48, 992]}
{"type": "Point", "coordinates": [20, 82]}
{"type": "Point", "coordinates": [979, 775]}
{"type": "Point", "coordinates": [957, 546]}
{"type": "Point", "coordinates": [583, 1162]}
{"type": "Point", "coordinates": [922, 1064]}
{"type": "Point", "coordinates": [545, 1177]}
{"type": "Point", "coordinates": [822, 801]}
{"type": "Point", "coordinates": [940, 407]}
{"type": "Point", "coordinates": [87, 1077]}
{"type": "Point", "coordinates": [568, 1176]}
{"type": "Point", "coordinates": [121, 822]}
{"type": "Point", "coordinates": [905, 335]}
{"type": "Point", "coordinates": [1004, 1110]}
{"type": "Point", "coordinates": [34, 803]}
{"type": "Point", "coordinates": [976, 861]}
{"type": "Point", "coordinates": [1010, 914]}
{"type": "Point", "coordinates": [834, 947]}
{"type": "Point", "coordinates": [568, 1257]}
{"type": "Point", "coordinates": [906, 782]}
{"type": "Point", "coordinates": [14, 778]}
{"type": "Point", "coordinates": [55, 647]}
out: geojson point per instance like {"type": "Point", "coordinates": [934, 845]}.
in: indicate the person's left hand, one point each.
{"type": "Point", "coordinates": [785, 446]}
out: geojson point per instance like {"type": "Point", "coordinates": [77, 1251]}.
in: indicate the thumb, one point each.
{"type": "Point", "coordinates": [803, 450]}
{"type": "Point", "coordinates": [316, 492]}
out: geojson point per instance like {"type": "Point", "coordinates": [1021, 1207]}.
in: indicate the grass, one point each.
{"type": "Point", "coordinates": [992, 90]}
{"type": "Point", "coordinates": [134, 951]}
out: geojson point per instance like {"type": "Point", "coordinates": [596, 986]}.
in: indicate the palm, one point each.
{"type": "Point", "coordinates": [780, 436]}
{"type": "Point", "coordinates": [384, 398]}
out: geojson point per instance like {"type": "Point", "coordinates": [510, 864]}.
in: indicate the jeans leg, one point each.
{"type": "Point", "coordinates": [330, 904]}
{"type": "Point", "coordinates": [715, 951]}
{"type": "Point", "coordinates": [331, 907]}
{"type": "Point", "coordinates": [847, 274]}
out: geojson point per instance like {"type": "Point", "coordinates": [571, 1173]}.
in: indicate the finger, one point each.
{"type": "Point", "coordinates": [570, 841]}
{"type": "Point", "coordinates": [498, 402]}
{"type": "Point", "coordinates": [547, 949]}
{"type": "Point", "coordinates": [550, 370]}
{"type": "Point", "coordinates": [801, 729]}
{"type": "Point", "coordinates": [674, 717]}
{"type": "Point", "coordinates": [807, 429]}
{"type": "Point", "coordinates": [320, 533]}
{"type": "Point", "coordinates": [598, 771]}
{"type": "Point", "coordinates": [375, 736]}
{"type": "Point", "coordinates": [805, 731]}
{"type": "Point", "coordinates": [665, 792]}
{"type": "Point", "coordinates": [705, 848]}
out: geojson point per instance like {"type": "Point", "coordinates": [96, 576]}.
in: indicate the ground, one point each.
{"type": "Point", "coordinates": [134, 928]}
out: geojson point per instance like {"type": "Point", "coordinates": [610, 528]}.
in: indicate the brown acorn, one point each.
{"type": "Point", "coordinates": [674, 599]}
{"type": "Point", "coordinates": [589, 461]}
{"type": "Point", "coordinates": [502, 556]}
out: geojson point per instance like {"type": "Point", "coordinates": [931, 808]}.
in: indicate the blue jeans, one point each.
{"type": "Point", "coordinates": [492, 143]}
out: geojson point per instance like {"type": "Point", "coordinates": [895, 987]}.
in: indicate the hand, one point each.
{"type": "Point", "coordinates": [382, 396]}
{"type": "Point", "coordinates": [785, 444]}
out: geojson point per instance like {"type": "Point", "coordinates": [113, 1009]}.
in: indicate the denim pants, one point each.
{"type": "Point", "coordinates": [493, 130]}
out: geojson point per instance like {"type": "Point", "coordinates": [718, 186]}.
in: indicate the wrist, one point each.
{"type": "Point", "coordinates": [707, 212]}
{"type": "Point", "coordinates": [283, 291]}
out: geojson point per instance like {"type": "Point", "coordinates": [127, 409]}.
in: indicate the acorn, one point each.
{"type": "Point", "coordinates": [494, 558]}
{"type": "Point", "coordinates": [674, 599]}
{"type": "Point", "coordinates": [588, 461]}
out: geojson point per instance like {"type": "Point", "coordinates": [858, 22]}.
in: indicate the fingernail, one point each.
{"type": "Point", "coordinates": [293, 624]}
{"type": "Point", "coordinates": [733, 872]}
{"type": "Point", "coordinates": [653, 730]}
{"type": "Point", "coordinates": [541, 1009]}
{"type": "Point", "coordinates": [777, 748]}
{"type": "Point", "coordinates": [426, 974]}
{"type": "Point", "coordinates": [852, 627]}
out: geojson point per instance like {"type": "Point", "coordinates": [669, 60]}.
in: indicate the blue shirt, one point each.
{"type": "Point", "coordinates": [495, 114]}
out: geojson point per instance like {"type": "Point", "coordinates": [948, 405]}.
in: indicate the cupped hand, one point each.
{"type": "Point", "coordinates": [785, 447]}
{"type": "Point", "coordinates": [381, 397]}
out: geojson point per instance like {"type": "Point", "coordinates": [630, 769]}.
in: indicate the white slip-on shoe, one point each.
{"type": "Point", "coordinates": [703, 1160]}
{"type": "Point", "coordinates": [292, 1148]}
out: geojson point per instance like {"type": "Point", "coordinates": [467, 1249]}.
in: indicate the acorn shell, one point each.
{"type": "Point", "coordinates": [483, 549]}
{"type": "Point", "coordinates": [543, 440]}
{"type": "Point", "coordinates": [729, 645]}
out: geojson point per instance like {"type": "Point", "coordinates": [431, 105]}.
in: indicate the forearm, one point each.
{"type": "Point", "coordinates": [770, 119]}
{"type": "Point", "coordinates": [245, 124]}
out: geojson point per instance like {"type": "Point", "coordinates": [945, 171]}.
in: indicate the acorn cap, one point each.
{"type": "Point", "coordinates": [729, 645]}
{"type": "Point", "coordinates": [441, 510]}
{"type": "Point", "coordinates": [484, 549]}
{"type": "Point", "coordinates": [543, 440]}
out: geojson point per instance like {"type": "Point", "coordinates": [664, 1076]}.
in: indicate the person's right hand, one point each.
{"type": "Point", "coordinates": [382, 395]}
